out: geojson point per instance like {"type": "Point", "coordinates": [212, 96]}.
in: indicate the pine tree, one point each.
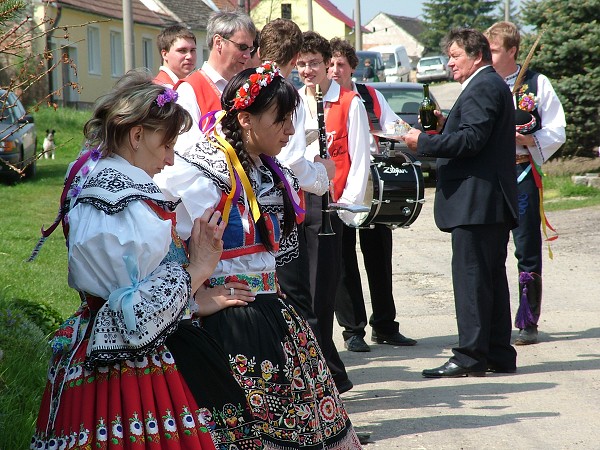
{"type": "Point", "coordinates": [569, 54]}
{"type": "Point", "coordinates": [440, 16]}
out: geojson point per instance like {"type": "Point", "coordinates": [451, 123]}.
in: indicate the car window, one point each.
{"type": "Point", "coordinates": [430, 62]}
{"type": "Point", "coordinates": [403, 102]}
{"type": "Point", "coordinates": [389, 60]}
{"type": "Point", "coordinates": [8, 112]}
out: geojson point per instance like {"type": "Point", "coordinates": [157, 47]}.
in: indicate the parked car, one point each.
{"type": "Point", "coordinates": [294, 78]}
{"type": "Point", "coordinates": [404, 99]}
{"type": "Point", "coordinates": [433, 68]}
{"type": "Point", "coordinates": [376, 63]}
{"type": "Point", "coordinates": [18, 138]}
{"type": "Point", "coordinates": [396, 61]}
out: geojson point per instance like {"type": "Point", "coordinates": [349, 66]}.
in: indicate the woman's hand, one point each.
{"type": "Point", "coordinates": [205, 246]}
{"type": "Point", "coordinates": [212, 300]}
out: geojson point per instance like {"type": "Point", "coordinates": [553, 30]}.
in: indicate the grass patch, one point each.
{"type": "Point", "coordinates": [561, 193]}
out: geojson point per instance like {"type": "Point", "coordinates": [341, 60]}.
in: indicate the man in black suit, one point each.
{"type": "Point", "coordinates": [476, 201]}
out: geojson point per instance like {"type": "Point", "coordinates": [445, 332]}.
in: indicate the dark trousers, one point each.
{"type": "Point", "coordinates": [376, 247]}
{"type": "Point", "coordinates": [527, 237]}
{"type": "Point", "coordinates": [481, 296]}
{"type": "Point", "coordinates": [324, 257]}
{"type": "Point", "coordinates": [294, 280]}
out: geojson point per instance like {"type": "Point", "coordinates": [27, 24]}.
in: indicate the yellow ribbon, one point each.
{"type": "Point", "coordinates": [235, 166]}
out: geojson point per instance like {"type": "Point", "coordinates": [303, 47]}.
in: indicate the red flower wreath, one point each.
{"type": "Point", "coordinates": [248, 92]}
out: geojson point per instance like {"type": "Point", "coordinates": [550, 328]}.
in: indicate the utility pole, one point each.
{"type": "Point", "coordinates": [128, 42]}
{"type": "Point", "coordinates": [241, 5]}
{"type": "Point", "coordinates": [310, 15]}
{"type": "Point", "coordinates": [507, 10]}
{"type": "Point", "coordinates": [357, 27]}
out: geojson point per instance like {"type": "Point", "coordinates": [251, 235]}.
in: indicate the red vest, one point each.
{"type": "Point", "coordinates": [163, 78]}
{"type": "Point", "coordinates": [207, 93]}
{"type": "Point", "coordinates": [336, 122]}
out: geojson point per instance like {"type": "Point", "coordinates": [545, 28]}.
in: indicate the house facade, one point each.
{"type": "Point", "coordinates": [92, 47]}
{"type": "Point", "coordinates": [387, 29]}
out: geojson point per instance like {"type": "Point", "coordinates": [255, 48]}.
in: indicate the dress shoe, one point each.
{"type": "Point", "coordinates": [500, 369]}
{"type": "Point", "coordinates": [527, 336]}
{"type": "Point", "coordinates": [344, 386]}
{"type": "Point", "coordinates": [356, 344]}
{"type": "Point", "coordinates": [392, 339]}
{"type": "Point", "coordinates": [451, 370]}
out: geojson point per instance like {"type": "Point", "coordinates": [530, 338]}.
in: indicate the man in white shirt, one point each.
{"type": "Point", "coordinates": [536, 142]}
{"type": "Point", "coordinates": [347, 130]}
{"type": "Point", "coordinates": [375, 243]}
{"type": "Point", "coordinates": [177, 48]}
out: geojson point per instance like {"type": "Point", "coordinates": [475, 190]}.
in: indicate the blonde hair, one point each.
{"type": "Point", "coordinates": [507, 33]}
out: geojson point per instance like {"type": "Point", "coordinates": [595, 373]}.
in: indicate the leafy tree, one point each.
{"type": "Point", "coordinates": [440, 16]}
{"type": "Point", "coordinates": [569, 54]}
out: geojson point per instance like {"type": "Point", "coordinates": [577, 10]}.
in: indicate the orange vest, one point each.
{"type": "Point", "coordinates": [163, 78]}
{"type": "Point", "coordinates": [207, 93]}
{"type": "Point", "coordinates": [336, 122]}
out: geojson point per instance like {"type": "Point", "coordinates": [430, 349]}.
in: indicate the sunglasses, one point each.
{"type": "Point", "coordinates": [241, 47]}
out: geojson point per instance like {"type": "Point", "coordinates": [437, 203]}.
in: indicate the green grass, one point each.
{"type": "Point", "coordinates": [561, 193]}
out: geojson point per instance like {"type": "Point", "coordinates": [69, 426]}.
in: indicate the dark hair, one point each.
{"type": "Point", "coordinates": [169, 35]}
{"type": "Point", "coordinates": [341, 47]}
{"type": "Point", "coordinates": [315, 43]}
{"type": "Point", "coordinates": [280, 41]}
{"type": "Point", "coordinates": [473, 42]}
{"type": "Point", "coordinates": [279, 92]}
{"type": "Point", "coordinates": [130, 103]}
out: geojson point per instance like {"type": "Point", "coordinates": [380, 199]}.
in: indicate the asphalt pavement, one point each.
{"type": "Point", "coordinates": [552, 402]}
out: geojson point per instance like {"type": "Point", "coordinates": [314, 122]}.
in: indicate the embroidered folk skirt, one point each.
{"type": "Point", "coordinates": [145, 403]}
{"type": "Point", "coordinates": [276, 359]}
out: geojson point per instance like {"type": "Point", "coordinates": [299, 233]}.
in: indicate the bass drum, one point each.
{"type": "Point", "coordinates": [395, 193]}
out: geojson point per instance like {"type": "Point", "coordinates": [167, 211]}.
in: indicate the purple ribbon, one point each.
{"type": "Point", "coordinates": [275, 168]}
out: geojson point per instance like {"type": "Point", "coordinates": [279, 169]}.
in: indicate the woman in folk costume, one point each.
{"type": "Point", "coordinates": [272, 351]}
{"type": "Point", "coordinates": [119, 373]}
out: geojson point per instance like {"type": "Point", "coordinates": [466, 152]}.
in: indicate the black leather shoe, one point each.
{"type": "Point", "coordinates": [451, 370]}
{"type": "Point", "coordinates": [344, 386]}
{"type": "Point", "coordinates": [392, 339]}
{"type": "Point", "coordinates": [356, 344]}
{"type": "Point", "coordinates": [527, 336]}
{"type": "Point", "coordinates": [499, 369]}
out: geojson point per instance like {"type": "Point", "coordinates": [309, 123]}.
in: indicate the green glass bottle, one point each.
{"type": "Point", "coordinates": [426, 112]}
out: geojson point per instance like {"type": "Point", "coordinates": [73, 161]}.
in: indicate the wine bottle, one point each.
{"type": "Point", "coordinates": [426, 114]}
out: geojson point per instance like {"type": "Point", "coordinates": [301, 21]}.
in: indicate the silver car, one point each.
{"type": "Point", "coordinates": [433, 68]}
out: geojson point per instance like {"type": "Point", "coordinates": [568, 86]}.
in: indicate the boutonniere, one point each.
{"type": "Point", "coordinates": [526, 100]}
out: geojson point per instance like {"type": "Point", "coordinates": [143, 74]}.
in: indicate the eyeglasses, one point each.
{"type": "Point", "coordinates": [241, 47]}
{"type": "Point", "coordinates": [310, 64]}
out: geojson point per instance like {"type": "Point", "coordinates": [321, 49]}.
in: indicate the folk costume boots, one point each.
{"type": "Point", "coordinates": [530, 302]}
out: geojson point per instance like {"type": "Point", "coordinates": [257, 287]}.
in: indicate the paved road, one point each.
{"type": "Point", "coordinates": [552, 402]}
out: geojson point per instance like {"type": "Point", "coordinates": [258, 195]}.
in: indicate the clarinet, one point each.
{"type": "Point", "coordinates": [326, 229]}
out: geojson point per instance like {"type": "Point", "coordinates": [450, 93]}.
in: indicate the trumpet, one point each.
{"type": "Point", "coordinates": [326, 229]}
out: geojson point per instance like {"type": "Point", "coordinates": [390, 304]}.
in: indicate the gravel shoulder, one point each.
{"type": "Point", "coordinates": [552, 402]}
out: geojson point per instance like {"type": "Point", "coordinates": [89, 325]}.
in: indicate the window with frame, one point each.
{"type": "Point", "coordinates": [93, 47]}
{"type": "Point", "coordinates": [286, 11]}
{"type": "Point", "coordinates": [148, 53]}
{"type": "Point", "coordinates": [116, 53]}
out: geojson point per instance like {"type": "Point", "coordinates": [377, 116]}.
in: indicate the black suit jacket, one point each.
{"type": "Point", "coordinates": [476, 172]}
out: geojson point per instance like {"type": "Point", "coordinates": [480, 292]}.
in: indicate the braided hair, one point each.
{"type": "Point", "coordinates": [280, 92]}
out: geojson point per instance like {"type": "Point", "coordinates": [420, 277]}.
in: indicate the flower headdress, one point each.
{"type": "Point", "coordinates": [169, 95]}
{"type": "Point", "coordinates": [526, 100]}
{"type": "Point", "coordinates": [247, 93]}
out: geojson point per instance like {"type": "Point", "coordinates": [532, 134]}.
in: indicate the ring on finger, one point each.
{"type": "Point", "coordinates": [231, 291]}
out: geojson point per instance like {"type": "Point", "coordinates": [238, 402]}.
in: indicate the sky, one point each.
{"type": "Point", "coordinates": [370, 8]}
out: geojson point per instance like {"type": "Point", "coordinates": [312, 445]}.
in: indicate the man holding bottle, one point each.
{"type": "Point", "coordinates": [534, 147]}
{"type": "Point", "coordinates": [476, 201]}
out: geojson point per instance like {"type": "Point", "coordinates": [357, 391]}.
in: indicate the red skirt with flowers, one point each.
{"type": "Point", "coordinates": [143, 403]}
